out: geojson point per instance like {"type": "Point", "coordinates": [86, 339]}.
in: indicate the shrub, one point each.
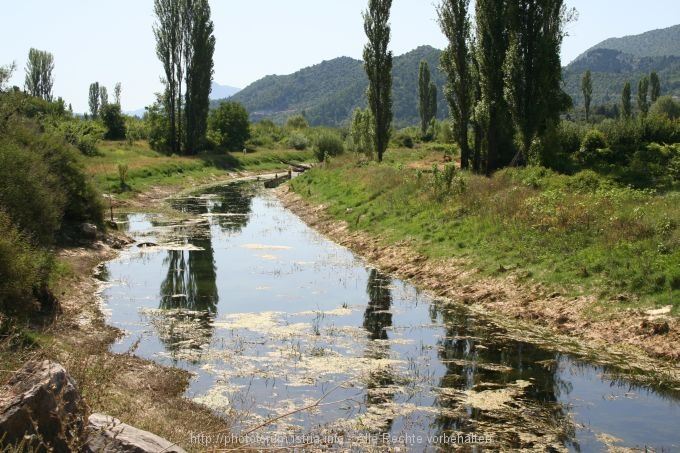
{"type": "Point", "coordinates": [83, 134]}
{"type": "Point", "coordinates": [298, 141]}
{"type": "Point", "coordinates": [114, 121]}
{"type": "Point", "coordinates": [297, 122]}
{"type": "Point", "coordinates": [328, 144]}
{"type": "Point", "coordinates": [665, 107]}
{"type": "Point", "coordinates": [230, 125]}
{"type": "Point", "coordinates": [23, 267]}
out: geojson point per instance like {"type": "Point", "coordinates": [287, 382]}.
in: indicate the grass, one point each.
{"type": "Point", "coordinates": [145, 168]}
{"type": "Point", "coordinates": [579, 234]}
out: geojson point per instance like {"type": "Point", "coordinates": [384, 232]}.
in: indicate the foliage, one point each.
{"type": "Point", "coordinates": [533, 70]}
{"type": "Point", "coordinates": [625, 101]}
{"type": "Point", "coordinates": [643, 89]}
{"type": "Point", "coordinates": [199, 48]}
{"type": "Point", "coordinates": [361, 132]}
{"type": "Point", "coordinates": [587, 90]}
{"type": "Point", "coordinates": [230, 125]}
{"type": "Point", "coordinates": [44, 194]}
{"type": "Point", "coordinates": [456, 61]}
{"type": "Point", "coordinates": [492, 110]}
{"type": "Point", "coordinates": [266, 133]}
{"type": "Point", "coordinates": [23, 266]}
{"type": "Point", "coordinates": [593, 148]}
{"type": "Point", "coordinates": [328, 144]}
{"type": "Point", "coordinates": [297, 122]}
{"type": "Point", "coordinates": [405, 139]}
{"type": "Point", "coordinates": [114, 121]}
{"type": "Point", "coordinates": [158, 123]}
{"type": "Point", "coordinates": [39, 79]}
{"type": "Point", "coordinates": [83, 134]}
{"type": "Point", "coordinates": [654, 86]}
{"type": "Point", "coordinates": [378, 67]}
{"type": "Point", "coordinates": [298, 140]}
{"type": "Point", "coordinates": [427, 100]}
{"type": "Point", "coordinates": [93, 100]}
{"type": "Point", "coordinates": [665, 107]}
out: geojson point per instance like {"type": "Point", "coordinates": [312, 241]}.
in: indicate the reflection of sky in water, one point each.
{"type": "Point", "coordinates": [270, 316]}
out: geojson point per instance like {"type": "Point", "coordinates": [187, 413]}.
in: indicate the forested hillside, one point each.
{"type": "Point", "coordinates": [615, 61]}
{"type": "Point", "coordinates": [328, 92]}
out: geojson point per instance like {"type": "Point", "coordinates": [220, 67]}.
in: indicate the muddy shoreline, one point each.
{"type": "Point", "coordinates": [640, 343]}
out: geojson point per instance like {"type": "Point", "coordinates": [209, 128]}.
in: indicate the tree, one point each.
{"type": "Point", "coordinates": [643, 89]}
{"type": "Point", "coordinates": [39, 79]}
{"type": "Point", "coordinates": [361, 130]}
{"type": "Point", "coordinates": [93, 100]}
{"type": "Point", "coordinates": [655, 86]}
{"type": "Point", "coordinates": [116, 93]}
{"type": "Point", "coordinates": [168, 33]}
{"type": "Point", "coordinates": [456, 62]}
{"type": "Point", "coordinates": [587, 89]}
{"type": "Point", "coordinates": [427, 97]}
{"type": "Point", "coordinates": [625, 101]}
{"type": "Point", "coordinates": [492, 110]}
{"type": "Point", "coordinates": [229, 125]}
{"type": "Point", "coordinates": [533, 71]}
{"type": "Point", "coordinates": [5, 74]}
{"type": "Point", "coordinates": [114, 121]}
{"type": "Point", "coordinates": [199, 48]}
{"type": "Point", "coordinates": [378, 66]}
{"type": "Point", "coordinates": [103, 96]}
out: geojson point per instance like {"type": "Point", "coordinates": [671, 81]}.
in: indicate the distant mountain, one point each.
{"type": "Point", "coordinates": [222, 91]}
{"type": "Point", "coordinates": [615, 61]}
{"type": "Point", "coordinates": [328, 92]}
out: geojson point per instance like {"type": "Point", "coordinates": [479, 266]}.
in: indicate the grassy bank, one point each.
{"type": "Point", "coordinates": [120, 167]}
{"type": "Point", "coordinates": [579, 234]}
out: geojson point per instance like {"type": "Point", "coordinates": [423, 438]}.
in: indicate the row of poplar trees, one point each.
{"type": "Point", "coordinates": [185, 44]}
{"type": "Point", "coordinates": [504, 80]}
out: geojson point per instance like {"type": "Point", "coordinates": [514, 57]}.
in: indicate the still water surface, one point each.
{"type": "Point", "coordinates": [271, 317]}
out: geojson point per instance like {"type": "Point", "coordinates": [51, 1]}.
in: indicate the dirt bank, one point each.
{"type": "Point", "coordinates": [636, 340]}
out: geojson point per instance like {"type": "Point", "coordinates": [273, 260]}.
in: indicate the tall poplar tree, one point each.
{"type": "Point", "coordinates": [492, 44]}
{"type": "Point", "coordinates": [93, 100]}
{"type": "Point", "coordinates": [587, 89]}
{"type": "Point", "coordinates": [456, 62]}
{"type": "Point", "coordinates": [378, 66]}
{"type": "Point", "coordinates": [39, 79]}
{"type": "Point", "coordinates": [655, 86]}
{"type": "Point", "coordinates": [168, 33]}
{"type": "Point", "coordinates": [625, 101]}
{"type": "Point", "coordinates": [199, 48]}
{"type": "Point", "coordinates": [643, 90]}
{"type": "Point", "coordinates": [427, 97]}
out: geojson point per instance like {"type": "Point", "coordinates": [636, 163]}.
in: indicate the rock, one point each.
{"type": "Point", "coordinates": [41, 401]}
{"type": "Point", "coordinates": [110, 435]}
{"type": "Point", "coordinates": [89, 230]}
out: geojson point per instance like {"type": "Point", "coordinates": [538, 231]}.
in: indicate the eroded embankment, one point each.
{"type": "Point", "coordinates": [638, 342]}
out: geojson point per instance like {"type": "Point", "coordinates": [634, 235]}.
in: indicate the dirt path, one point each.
{"type": "Point", "coordinates": [630, 338]}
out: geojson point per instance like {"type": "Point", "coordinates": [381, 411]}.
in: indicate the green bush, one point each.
{"type": "Point", "coordinates": [43, 187]}
{"type": "Point", "coordinates": [24, 268]}
{"type": "Point", "coordinates": [298, 141]}
{"type": "Point", "coordinates": [665, 107]}
{"type": "Point", "coordinates": [114, 121]}
{"type": "Point", "coordinates": [328, 143]}
{"type": "Point", "coordinates": [83, 134]}
{"type": "Point", "coordinates": [229, 125]}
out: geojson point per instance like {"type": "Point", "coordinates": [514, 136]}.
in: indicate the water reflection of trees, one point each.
{"type": "Point", "coordinates": [479, 357]}
{"type": "Point", "coordinates": [229, 205]}
{"type": "Point", "coordinates": [188, 293]}
{"type": "Point", "coordinates": [377, 319]}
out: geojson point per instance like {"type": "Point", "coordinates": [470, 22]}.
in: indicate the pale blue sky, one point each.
{"type": "Point", "coordinates": [112, 41]}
